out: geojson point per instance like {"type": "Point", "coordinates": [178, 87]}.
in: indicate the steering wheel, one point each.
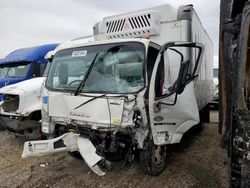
{"type": "Point", "coordinates": [74, 81]}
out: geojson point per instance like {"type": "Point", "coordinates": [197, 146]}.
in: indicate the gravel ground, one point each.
{"type": "Point", "coordinates": [197, 162]}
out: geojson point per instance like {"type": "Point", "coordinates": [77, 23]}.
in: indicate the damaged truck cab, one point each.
{"type": "Point", "coordinates": [130, 89]}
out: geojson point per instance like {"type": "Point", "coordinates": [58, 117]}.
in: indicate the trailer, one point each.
{"type": "Point", "coordinates": [143, 82]}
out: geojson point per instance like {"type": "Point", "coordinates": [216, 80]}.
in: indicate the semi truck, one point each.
{"type": "Point", "coordinates": [23, 64]}
{"type": "Point", "coordinates": [234, 87]}
{"type": "Point", "coordinates": [20, 108]}
{"type": "Point", "coordinates": [143, 82]}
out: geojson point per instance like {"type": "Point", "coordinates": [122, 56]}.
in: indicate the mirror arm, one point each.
{"type": "Point", "coordinates": [176, 95]}
{"type": "Point", "coordinates": [190, 79]}
{"type": "Point", "coordinates": [197, 60]}
{"type": "Point", "coordinates": [169, 104]}
{"type": "Point", "coordinates": [178, 52]}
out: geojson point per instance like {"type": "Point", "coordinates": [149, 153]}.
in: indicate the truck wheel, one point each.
{"type": "Point", "coordinates": [1, 125]}
{"type": "Point", "coordinates": [153, 159]}
{"type": "Point", "coordinates": [75, 154]}
{"type": "Point", "coordinates": [205, 114]}
{"type": "Point", "coordinates": [199, 128]}
{"type": "Point", "coordinates": [1, 128]}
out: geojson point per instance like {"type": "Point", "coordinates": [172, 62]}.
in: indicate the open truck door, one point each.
{"type": "Point", "coordinates": [171, 87]}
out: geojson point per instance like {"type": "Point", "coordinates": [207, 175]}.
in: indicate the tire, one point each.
{"type": "Point", "coordinates": [76, 155]}
{"type": "Point", "coordinates": [153, 159]}
{"type": "Point", "coordinates": [2, 128]}
{"type": "Point", "coordinates": [199, 128]}
{"type": "Point", "coordinates": [205, 114]}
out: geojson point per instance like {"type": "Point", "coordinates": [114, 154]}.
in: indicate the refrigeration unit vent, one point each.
{"type": "Point", "coordinates": [135, 25]}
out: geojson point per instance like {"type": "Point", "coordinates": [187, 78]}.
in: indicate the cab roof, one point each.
{"type": "Point", "coordinates": [32, 54]}
{"type": "Point", "coordinates": [91, 42]}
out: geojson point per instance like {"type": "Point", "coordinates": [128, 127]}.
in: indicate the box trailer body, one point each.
{"type": "Point", "coordinates": [121, 92]}
{"type": "Point", "coordinates": [20, 108]}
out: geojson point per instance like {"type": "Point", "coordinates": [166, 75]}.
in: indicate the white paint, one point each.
{"type": "Point", "coordinates": [62, 107]}
{"type": "Point", "coordinates": [29, 92]}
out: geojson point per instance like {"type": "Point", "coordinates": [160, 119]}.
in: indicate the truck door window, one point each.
{"type": "Point", "coordinates": [167, 73]}
{"type": "Point", "coordinates": [159, 80]}
{"type": "Point", "coordinates": [173, 62]}
{"type": "Point", "coordinates": [45, 72]}
{"type": "Point", "coordinates": [42, 68]}
{"type": "Point", "coordinates": [36, 69]}
{"type": "Point", "coordinates": [151, 58]}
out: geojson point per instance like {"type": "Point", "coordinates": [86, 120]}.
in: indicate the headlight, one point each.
{"type": "Point", "coordinates": [47, 126]}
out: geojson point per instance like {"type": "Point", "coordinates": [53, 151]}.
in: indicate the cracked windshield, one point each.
{"type": "Point", "coordinates": [99, 69]}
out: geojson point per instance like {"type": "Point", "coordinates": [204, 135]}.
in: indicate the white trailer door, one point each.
{"type": "Point", "coordinates": [172, 102]}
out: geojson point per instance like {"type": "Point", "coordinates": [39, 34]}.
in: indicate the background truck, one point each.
{"type": "Point", "coordinates": [20, 108]}
{"type": "Point", "coordinates": [234, 86]}
{"type": "Point", "coordinates": [214, 104]}
{"type": "Point", "coordinates": [23, 64]}
{"type": "Point", "coordinates": [136, 89]}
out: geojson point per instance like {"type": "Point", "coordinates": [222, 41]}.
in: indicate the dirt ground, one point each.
{"type": "Point", "coordinates": [197, 162]}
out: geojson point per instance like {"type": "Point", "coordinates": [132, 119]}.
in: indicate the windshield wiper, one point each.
{"type": "Point", "coordinates": [114, 49]}
{"type": "Point", "coordinates": [86, 76]}
{"type": "Point", "coordinates": [96, 97]}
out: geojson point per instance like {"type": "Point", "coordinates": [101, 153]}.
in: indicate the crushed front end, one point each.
{"type": "Point", "coordinates": [97, 93]}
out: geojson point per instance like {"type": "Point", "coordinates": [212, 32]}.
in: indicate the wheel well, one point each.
{"type": "Point", "coordinates": [37, 115]}
{"type": "Point", "coordinates": [204, 114]}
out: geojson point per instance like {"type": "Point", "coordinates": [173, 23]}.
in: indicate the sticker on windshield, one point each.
{"type": "Point", "coordinates": [81, 53]}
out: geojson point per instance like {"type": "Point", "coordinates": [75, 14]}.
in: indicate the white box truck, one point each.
{"type": "Point", "coordinates": [143, 82]}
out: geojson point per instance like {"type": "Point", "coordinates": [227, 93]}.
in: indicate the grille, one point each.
{"type": "Point", "coordinates": [11, 103]}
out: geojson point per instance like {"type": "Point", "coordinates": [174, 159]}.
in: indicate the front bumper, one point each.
{"type": "Point", "coordinates": [67, 142]}
{"type": "Point", "coordinates": [28, 128]}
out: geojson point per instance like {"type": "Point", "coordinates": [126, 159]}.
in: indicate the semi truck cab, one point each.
{"type": "Point", "coordinates": [20, 108]}
{"type": "Point", "coordinates": [23, 64]}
